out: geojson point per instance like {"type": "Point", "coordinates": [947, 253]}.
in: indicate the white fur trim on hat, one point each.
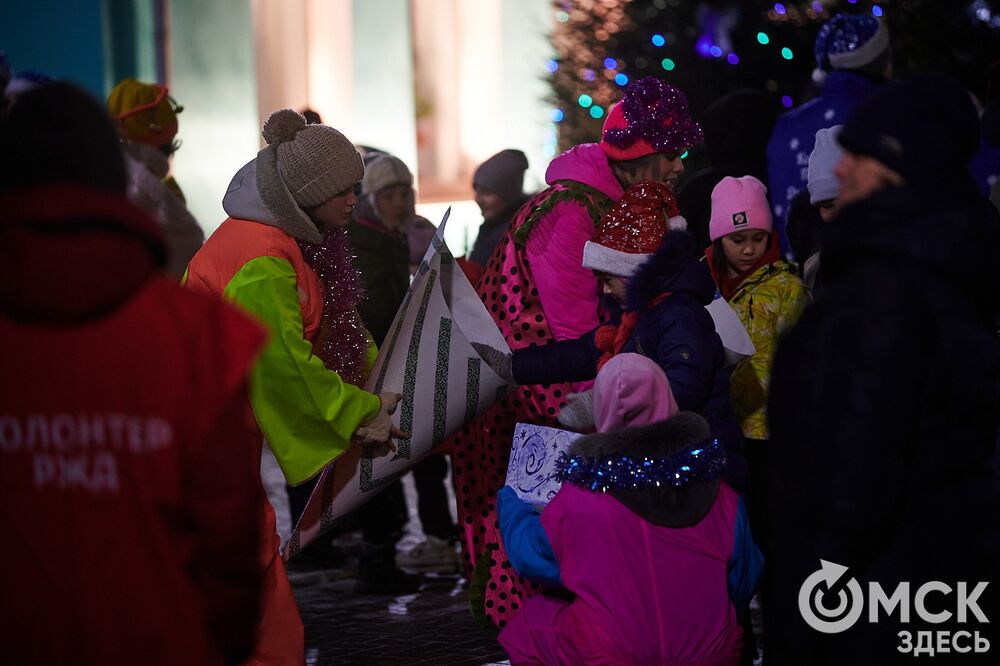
{"type": "Point", "coordinates": [602, 258]}
{"type": "Point", "coordinates": [865, 53]}
{"type": "Point", "coordinates": [677, 223]}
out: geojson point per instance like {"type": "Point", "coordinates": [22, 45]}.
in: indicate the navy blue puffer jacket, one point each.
{"type": "Point", "coordinates": [677, 332]}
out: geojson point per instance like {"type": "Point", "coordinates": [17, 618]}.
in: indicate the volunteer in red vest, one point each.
{"type": "Point", "coordinates": [129, 488]}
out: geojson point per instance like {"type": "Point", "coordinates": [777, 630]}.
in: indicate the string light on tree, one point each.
{"type": "Point", "coordinates": [603, 46]}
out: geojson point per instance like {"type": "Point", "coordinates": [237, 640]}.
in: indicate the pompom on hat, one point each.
{"type": "Point", "coordinates": [849, 41]}
{"type": "Point", "coordinates": [146, 111]}
{"type": "Point", "coordinates": [739, 204]}
{"type": "Point", "coordinates": [652, 117]}
{"type": "Point", "coordinates": [633, 229]}
{"type": "Point", "coordinates": [302, 167]}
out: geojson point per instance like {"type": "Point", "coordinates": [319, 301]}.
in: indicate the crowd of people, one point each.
{"type": "Point", "coordinates": [148, 368]}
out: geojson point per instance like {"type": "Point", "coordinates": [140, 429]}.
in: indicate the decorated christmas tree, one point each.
{"type": "Point", "coordinates": [711, 47]}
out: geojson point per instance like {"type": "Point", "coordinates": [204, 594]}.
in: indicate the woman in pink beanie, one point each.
{"type": "Point", "coordinates": [537, 289]}
{"type": "Point", "coordinates": [745, 260]}
{"type": "Point", "coordinates": [605, 537]}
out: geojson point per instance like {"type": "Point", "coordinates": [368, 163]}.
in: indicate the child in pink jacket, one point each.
{"type": "Point", "coordinates": [654, 546]}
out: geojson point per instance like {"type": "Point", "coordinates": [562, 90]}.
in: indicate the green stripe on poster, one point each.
{"type": "Point", "coordinates": [441, 380]}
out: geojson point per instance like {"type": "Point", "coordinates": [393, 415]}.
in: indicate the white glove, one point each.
{"type": "Point", "coordinates": [578, 412]}
{"type": "Point", "coordinates": [499, 362]}
{"type": "Point", "coordinates": [380, 428]}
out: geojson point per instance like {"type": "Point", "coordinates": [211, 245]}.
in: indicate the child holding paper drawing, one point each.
{"type": "Point", "coordinates": [643, 493]}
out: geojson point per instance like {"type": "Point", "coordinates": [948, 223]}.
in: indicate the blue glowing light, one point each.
{"type": "Point", "coordinates": [552, 64]}
{"type": "Point", "coordinates": [557, 115]}
{"type": "Point", "coordinates": [621, 79]}
{"type": "Point", "coordinates": [610, 63]}
{"type": "Point", "coordinates": [658, 40]}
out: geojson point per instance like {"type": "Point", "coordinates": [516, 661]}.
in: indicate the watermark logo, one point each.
{"type": "Point", "coordinates": [830, 602]}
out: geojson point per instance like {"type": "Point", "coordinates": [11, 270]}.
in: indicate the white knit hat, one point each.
{"type": "Point", "coordinates": [385, 171]}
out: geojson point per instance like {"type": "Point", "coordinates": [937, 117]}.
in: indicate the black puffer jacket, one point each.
{"type": "Point", "coordinates": [884, 409]}
{"type": "Point", "coordinates": [382, 256]}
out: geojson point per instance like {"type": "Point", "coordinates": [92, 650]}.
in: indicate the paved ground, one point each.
{"type": "Point", "coordinates": [433, 626]}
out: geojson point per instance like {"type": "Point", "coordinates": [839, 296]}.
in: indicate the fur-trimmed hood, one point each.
{"type": "Point", "coordinates": [665, 506]}
{"type": "Point", "coordinates": [675, 268]}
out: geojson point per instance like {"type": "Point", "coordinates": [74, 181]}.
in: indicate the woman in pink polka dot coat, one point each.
{"type": "Point", "coordinates": [537, 290]}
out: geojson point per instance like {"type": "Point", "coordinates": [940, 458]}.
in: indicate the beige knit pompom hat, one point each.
{"type": "Point", "coordinates": [303, 166]}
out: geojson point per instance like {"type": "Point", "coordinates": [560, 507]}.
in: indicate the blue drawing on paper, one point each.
{"type": "Point", "coordinates": [533, 454]}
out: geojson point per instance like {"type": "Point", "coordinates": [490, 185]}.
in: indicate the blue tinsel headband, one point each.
{"type": "Point", "coordinates": [701, 462]}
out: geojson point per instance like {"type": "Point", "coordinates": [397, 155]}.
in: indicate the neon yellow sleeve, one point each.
{"type": "Point", "coordinates": [306, 412]}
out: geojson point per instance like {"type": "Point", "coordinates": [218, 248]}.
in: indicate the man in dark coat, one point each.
{"type": "Point", "coordinates": [885, 400]}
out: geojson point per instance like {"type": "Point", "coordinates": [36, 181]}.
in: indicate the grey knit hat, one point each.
{"type": "Point", "coordinates": [385, 171]}
{"type": "Point", "coordinates": [823, 184]}
{"type": "Point", "coordinates": [503, 174]}
{"type": "Point", "coordinates": [303, 166]}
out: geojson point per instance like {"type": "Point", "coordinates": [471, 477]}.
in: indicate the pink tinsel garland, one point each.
{"type": "Point", "coordinates": [344, 340]}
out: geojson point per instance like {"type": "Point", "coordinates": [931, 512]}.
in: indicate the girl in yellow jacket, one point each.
{"type": "Point", "coordinates": [282, 256]}
{"type": "Point", "coordinates": [745, 260]}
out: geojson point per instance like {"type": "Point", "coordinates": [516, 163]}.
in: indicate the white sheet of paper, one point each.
{"type": "Point", "coordinates": [532, 467]}
{"type": "Point", "coordinates": [735, 340]}
{"type": "Point", "coordinates": [428, 358]}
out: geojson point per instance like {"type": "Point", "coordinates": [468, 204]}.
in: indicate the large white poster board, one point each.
{"type": "Point", "coordinates": [427, 357]}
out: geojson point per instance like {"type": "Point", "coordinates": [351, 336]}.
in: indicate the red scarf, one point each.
{"type": "Point", "coordinates": [730, 285]}
{"type": "Point", "coordinates": [610, 339]}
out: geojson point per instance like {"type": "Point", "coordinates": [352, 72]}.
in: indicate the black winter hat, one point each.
{"type": "Point", "coordinates": [60, 134]}
{"type": "Point", "coordinates": [503, 174]}
{"type": "Point", "coordinates": [925, 128]}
